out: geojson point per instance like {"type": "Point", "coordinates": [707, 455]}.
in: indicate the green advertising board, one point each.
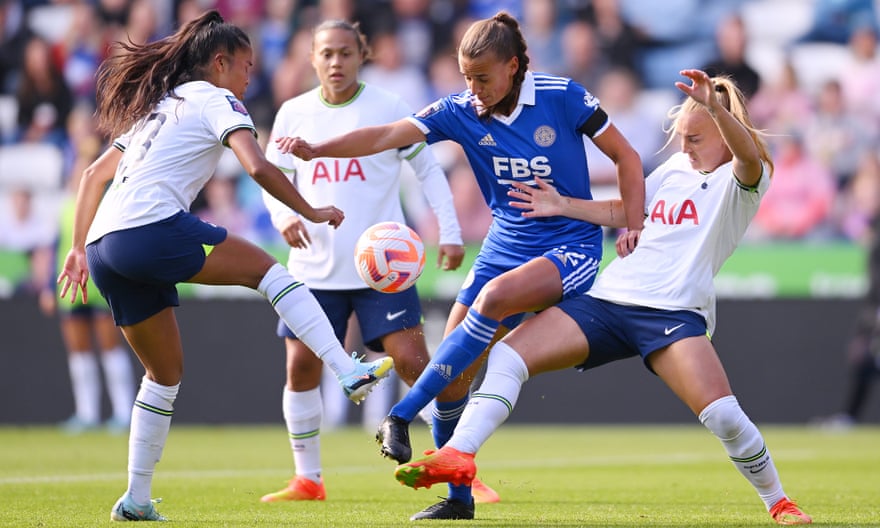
{"type": "Point", "coordinates": [777, 270]}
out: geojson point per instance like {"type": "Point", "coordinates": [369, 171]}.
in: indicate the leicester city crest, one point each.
{"type": "Point", "coordinates": [545, 136]}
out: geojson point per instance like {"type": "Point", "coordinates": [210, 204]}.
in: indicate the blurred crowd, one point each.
{"type": "Point", "coordinates": [812, 75]}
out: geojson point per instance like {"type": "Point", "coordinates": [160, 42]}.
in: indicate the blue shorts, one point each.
{"type": "Point", "coordinates": [137, 269]}
{"type": "Point", "coordinates": [617, 331]}
{"type": "Point", "coordinates": [577, 264]}
{"type": "Point", "coordinates": [84, 311]}
{"type": "Point", "coordinates": [378, 314]}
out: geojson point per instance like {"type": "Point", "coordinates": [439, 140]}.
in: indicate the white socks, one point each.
{"type": "Point", "coordinates": [493, 402]}
{"type": "Point", "coordinates": [85, 380]}
{"type": "Point", "coordinates": [302, 414]}
{"type": "Point", "coordinates": [120, 382]}
{"type": "Point", "coordinates": [745, 446]}
{"type": "Point", "coordinates": [150, 421]}
{"type": "Point", "coordinates": [298, 308]}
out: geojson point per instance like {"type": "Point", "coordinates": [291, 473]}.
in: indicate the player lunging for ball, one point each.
{"type": "Point", "coordinates": [657, 303]}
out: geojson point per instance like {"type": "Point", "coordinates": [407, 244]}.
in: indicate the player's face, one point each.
{"type": "Point", "coordinates": [336, 59]}
{"type": "Point", "coordinates": [701, 141]}
{"type": "Point", "coordinates": [235, 71]}
{"type": "Point", "coordinates": [488, 78]}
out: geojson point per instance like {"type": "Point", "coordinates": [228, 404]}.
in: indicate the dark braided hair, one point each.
{"type": "Point", "coordinates": [134, 80]}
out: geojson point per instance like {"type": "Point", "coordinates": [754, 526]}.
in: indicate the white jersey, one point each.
{"type": "Point", "coordinates": [694, 222]}
{"type": "Point", "coordinates": [366, 188]}
{"type": "Point", "coordinates": [169, 156]}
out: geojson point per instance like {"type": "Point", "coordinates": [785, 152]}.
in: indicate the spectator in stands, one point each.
{"type": "Point", "coordinates": [582, 61]}
{"type": "Point", "coordinates": [730, 40]}
{"type": "Point", "coordinates": [222, 207]}
{"type": "Point", "coordinates": [31, 232]}
{"type": "Point", "coordinates": [386, 69]}
{"type": "Point", "coordinates": [82, 48]}
{"type": "Point", "coordinates": [836, 136]}
{"type": "Point", "coordinates": [617, 38]}
{"type": "Point", "coordinates": [14, 36]}
{"type": "Point", "coordinates": [542, 30]}
{"type": "Point", "coordinates": [44, 100]}
{"type": "Point", "coordinates": [860, 78]}
{"type": "Point", "coordinates": [859, 203]}
{"type": "Point", "coordinates": [834, 20]}
{"type": "Point", "coordinates": [618, 91]}
{"type": "Point", "coordinates": [798, 203]}
{"type": "Point", "coordinates": [294, 75]}
{"type": "Point", "coordinates": [782, 103]}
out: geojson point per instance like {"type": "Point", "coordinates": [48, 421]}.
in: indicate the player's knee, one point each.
{"type": "Point", "coordinates": [724, 417]}
{"type": "Point", "coordinates": [492, 300]}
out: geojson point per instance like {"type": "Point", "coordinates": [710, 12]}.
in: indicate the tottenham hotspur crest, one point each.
{"type": "Point", "coordinates": [545, 136]}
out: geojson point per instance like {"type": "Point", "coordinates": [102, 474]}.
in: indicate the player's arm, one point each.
{"type": "Point", "coordinates": [360, 142]}
{"type": "Point", "coordinates": [270, 178]}
{"type": "Point", "coordinates": [75, 272]}
{"type": "Point", "coordinates": [747, 164]}
{"type": "Point", "coordinates": [544, 200]}
{"type": "Point", "coordinates": [630, 174]}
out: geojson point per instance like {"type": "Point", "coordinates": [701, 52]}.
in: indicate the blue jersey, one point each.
{"type": "Point", "coordinates": [544, 137]}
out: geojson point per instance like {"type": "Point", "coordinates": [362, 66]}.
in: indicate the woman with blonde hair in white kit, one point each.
{"type": "Point", "coordinates": [656, 302]}
{"type": "Point", "coordinates": [173, 106]}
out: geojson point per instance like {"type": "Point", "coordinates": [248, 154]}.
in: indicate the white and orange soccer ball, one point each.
{"type": "Point", "coordinates": [389, 257]}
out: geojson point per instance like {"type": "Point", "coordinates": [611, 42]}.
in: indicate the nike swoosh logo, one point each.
{"type": "Point", "coordinates": [392, 316]}
{"type": "Point", "coordinates": [668, 331]}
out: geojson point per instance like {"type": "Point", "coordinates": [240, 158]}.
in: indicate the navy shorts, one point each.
{"type": "Point", "coordinates": [137, 269]}
{"type": "Point", "coordinates": [577, 264]}
{"type": "Point", "coordinates": [378, 314]}
{"type": "Point", "coordinates": [615, 331]}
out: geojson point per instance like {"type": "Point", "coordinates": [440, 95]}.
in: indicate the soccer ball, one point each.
{"type": "Point", "coordinates": [389, 257]}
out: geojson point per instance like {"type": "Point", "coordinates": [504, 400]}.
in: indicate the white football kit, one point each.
{"type": "Point", "coordinates": [688, 214]}
{"type": "Point", "coordinates": [185, 137]}
{"type": "Point", "coordinates": [366, 188]}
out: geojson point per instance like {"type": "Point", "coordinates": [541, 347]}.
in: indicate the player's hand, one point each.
{"type": "Point", "coordinates": [540, 200]}
{"type": "Point", "coordinates": [701, 89]}
{"type": "Point", "coordinates": [329, 214]}
{"type": "Point", "coordinates": [295, 233]}
{"type": "Point", "coordinates": [74, 274]}
{"type": "Point", "coordinates": [627, 242]}
{"type": "Point", "coordinates": [449, 256]}
{"type": "Point", "coordinates": [299, 147]}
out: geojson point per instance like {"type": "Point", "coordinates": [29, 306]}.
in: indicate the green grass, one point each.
{"type": "Point", "coordinates": [584, 476]}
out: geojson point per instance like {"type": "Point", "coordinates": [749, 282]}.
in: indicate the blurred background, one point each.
{"type": "Point", "coordinates": [796, 306]}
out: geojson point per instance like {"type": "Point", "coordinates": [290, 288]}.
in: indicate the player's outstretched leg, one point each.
{"type": "Point", "coordinates": [365, 376]}
{"type": "Point", "coordinates": [447, 464]}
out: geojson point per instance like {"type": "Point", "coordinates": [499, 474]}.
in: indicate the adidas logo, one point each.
{"type": "Point", "coordinates": [487, 141]}
{"type": "Point", "coordinates": [443, 370]}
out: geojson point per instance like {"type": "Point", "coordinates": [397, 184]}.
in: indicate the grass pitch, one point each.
{"type": "Point", "coordinates": [559, 476]}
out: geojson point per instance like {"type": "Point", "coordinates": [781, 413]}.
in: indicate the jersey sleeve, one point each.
{"type": "Point", "coordinates": [224, 114]}
{"type": "Point", "coordinates": [436, 121]}
{"type": "Point", "coordinates": [584, 108]}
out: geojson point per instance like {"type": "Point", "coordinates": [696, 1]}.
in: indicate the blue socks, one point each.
{"type": "Point", "coordinates": [460, 348]}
